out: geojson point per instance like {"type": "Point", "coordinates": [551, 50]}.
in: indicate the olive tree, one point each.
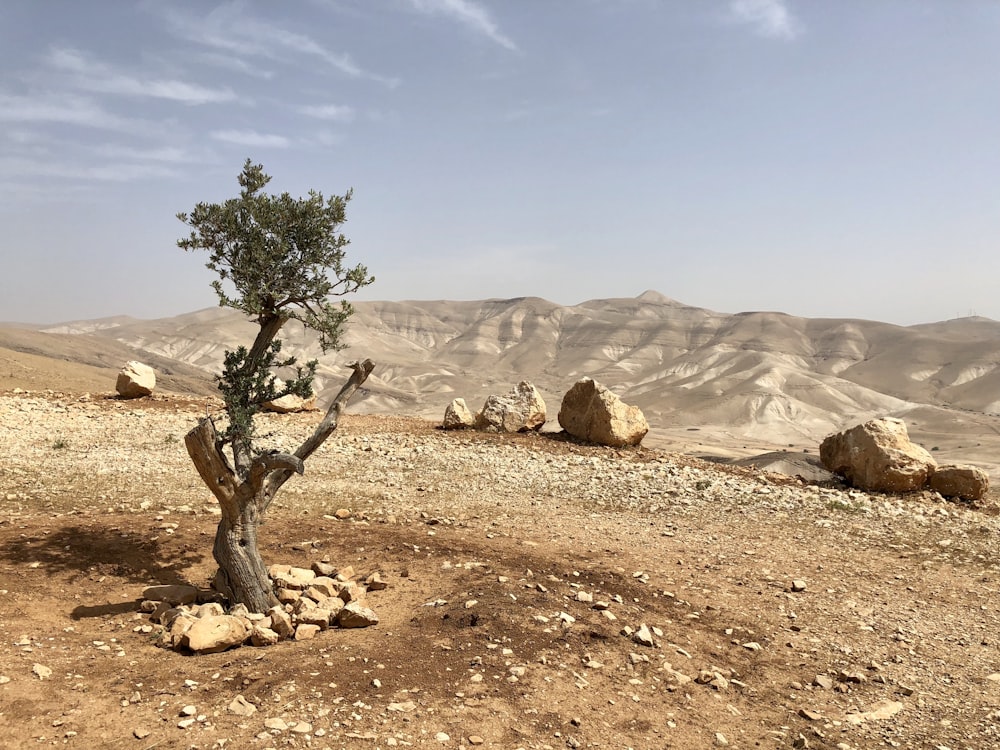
{"type": "Point", "coordinates": [277, 258]}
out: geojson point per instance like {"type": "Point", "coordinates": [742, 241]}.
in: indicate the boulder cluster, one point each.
{"type": "Point", "coordinates": [589, 412]}
{"type": "Point", "coordinates": [312, 600]}
{"type": "Point", "coordinates": [877, 456]}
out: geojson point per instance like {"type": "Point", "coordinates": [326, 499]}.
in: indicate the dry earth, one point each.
{"type": "Point", "coordinates": [491, 546]}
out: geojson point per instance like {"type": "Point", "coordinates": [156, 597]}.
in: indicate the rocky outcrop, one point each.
{"type": "Point", "coordinates": [961, 480]}
{"type": "Point", "coordinates": [878, 456]}
{"type": "Point", "coordinates": [591, 412]}
{"type": "Point", "coordinates": [457, 416]}
{"type": "Point", "coordinates": [520, 410]}
{"type": "Point", "coordinates": [135, 380]}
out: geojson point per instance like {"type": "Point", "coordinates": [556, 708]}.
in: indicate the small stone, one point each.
{"type": "Point", "coordinates": [585, 597]}
{"type": "Point", "coordinates": [752, 646]}
{"type": "Point", "coordinates": [42, 672]}
{"type": "Point", "coordinates": [189, 711]}
{"type": "Point", "coordinates": [720, 740]}
{"type": "Point", "coordinates": [141, 733]}
{"type": "Point", "coordinates": [342, 514]}
{"type": "Point", "coordinates": [643, 636]}
{"type": "Point", "coordinates": [186, 723]}
{"type": "Point", "coordinates": [276, 723]}
{"type": "Point", "coordinates": [798, 585]}
{"type": "Point", "coordinates": [809, 715]}
{"type": "Point", "coordinates": [475, 739]}
{"type": "Point", "coordinates": [302, 727]}
{"type": "Point", "coordinates": [823, 681]}
{"type": "Point", "coordinates": [441, 737]}
{"type": "Point", "coordinates": [374, 582]}
{"type": "Point", "coordinates": [355, 615]}
{"type": "Point", "coordinates": [405, 707]}
{"type": "Point", "coordinates": [242, 707]}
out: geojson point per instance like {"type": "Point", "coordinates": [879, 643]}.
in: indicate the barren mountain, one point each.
{"type": "Point", "coordinates": [734, 383]}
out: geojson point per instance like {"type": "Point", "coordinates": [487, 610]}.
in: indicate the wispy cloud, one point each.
{"type": "Point", "coordinates": [63, 109]}
{"type": "Point", "coordinates": [165, 154]}
{"type": "Point", "coordinates": [232, 28]}
{"type": "Point", "coordinates": [470, 14]}
{"type": "Point", "coordinates": [105, 172]}
{"type": "Point", "coordinates": [251, 138]}
{"type": "Point", "coordinates": [769, 18]}
{"type": "Point", "coordinates": [92, 75]}
{"type": "Point", "coordinates": [335, 112]}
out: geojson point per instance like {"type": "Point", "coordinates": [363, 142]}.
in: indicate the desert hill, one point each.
{"type": "Point", "coordinates": [707, 381]}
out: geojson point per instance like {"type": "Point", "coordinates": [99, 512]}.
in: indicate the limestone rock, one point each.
{"type": "Point", "coordinates": [290, 403]}
{"type": "Point", "coordinates": [281, 623]}
{"type": "Point", "coordinates": [962, 481]}
{"type": "Point", "coordinates": [306, 631]}
{"type": "Point", "coordinates": [355, 615]}
{"type": "Point", "coordinates": [457, 416]}
{"type": "Point", "coordinates": [210, 635]}
{"type": "Point", "coordinates": [173, 594]}
{"type": "Point", "coordinates": [135, 380]}
{"type": "Point", "coordinates": [520, 410]}
{"type": "Point", "coordinates": [878, 456]}
{"type": "Point", "coordinates": [591, 412]}
{"type": "Point", "coordinates": [261, 636]}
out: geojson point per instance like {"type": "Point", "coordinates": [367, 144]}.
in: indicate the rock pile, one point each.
{"type": "Point", "coordinates": [312, 600]}
{"type": "Point", "coordinates": [290, 404]}
{"type": "Point", "coordinates": [135, 380]}
{"type": "Point", "coordinates": [877, 456]}
{"type": "Point", "coordinates": [519, 410]}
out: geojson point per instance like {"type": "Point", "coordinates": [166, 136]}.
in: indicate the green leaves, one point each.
{"type": "Point", "coordinates": [278, 255]}
{"type": "Point", "coordinates": [277, 258]}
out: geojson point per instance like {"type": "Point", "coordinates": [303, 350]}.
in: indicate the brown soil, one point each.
{"type": "Point", "coordinates": [484, 541]}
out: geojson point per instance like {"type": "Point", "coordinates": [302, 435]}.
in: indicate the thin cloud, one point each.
{"type": "Point", "coordinates": [232, 29]}
{"type": "Point", "coordinates": [335, 112]}
{"type": "Point", "coordinates": [769, 18]}
{"type": "Point", "coordinates": [167, 154]}
{"type": "Point", "coordinates": [67, 110]}
{"type": "Point", "coordinates": [111, 172]}
{"type": "Point", "coordinates": [251, 138]}
{"type": "Point", "coordinates": [95, 76]}
{"type": "Point", "coordinates": [469, 14]}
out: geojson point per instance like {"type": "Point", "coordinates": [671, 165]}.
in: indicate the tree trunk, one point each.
{"type": "Point", "coordinates": [242, 573]}
{"type": "Point", "coordinates": [242, 576]}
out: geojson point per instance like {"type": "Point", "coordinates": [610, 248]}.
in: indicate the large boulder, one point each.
{"type": "Point", "coordinates": [961, 481]}
{"type": "Point", "coordinates": [878, 456]}
{"type": "Point", "coordinates": [457, 416]}
{"type": "Point", "coordinates": [591, 412]}
{"type": "Point", "coordinates": [135, 380]}
{"type": "Point", "coordinates": [520, 410]}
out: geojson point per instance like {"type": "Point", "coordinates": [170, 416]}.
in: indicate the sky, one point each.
{"type": "Point", "coordinates": [822, 158]}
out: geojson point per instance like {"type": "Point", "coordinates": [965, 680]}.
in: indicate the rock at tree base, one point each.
{"type": "Point", "coordinates": [355, 615]}
{"type": "Point", "coordinates": [135, 380]}
{"type": "Point", "coordinates": [591, 412]}
{"type": "Point", "coordinates": [878, 456]}
{"type": "Point", "coordinates": [961, 481]}
{"type": "Point", "coordinates": [520, 410]}
{"type": "Point", "coordinates": [173, 594]}
{"type": "Point", "coordinates": [457, 416]}
{"type": "Point", "coordinates": [210, 635]}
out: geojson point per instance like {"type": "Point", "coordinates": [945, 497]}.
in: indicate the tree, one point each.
{"type": "Point", "coordinates": [278, 258]}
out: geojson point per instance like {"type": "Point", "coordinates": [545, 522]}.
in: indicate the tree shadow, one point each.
{"type": "Point", "coordinates": [80, 551]}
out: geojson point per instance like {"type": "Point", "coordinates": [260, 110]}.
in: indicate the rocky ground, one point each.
{"type": "Point", "coordinates": [781, 614]}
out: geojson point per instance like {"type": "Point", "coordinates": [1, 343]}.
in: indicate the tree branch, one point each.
{"type": "Point", "coordinates": [326, 428]}
{"type": "Point", "coordinates": [202, 444]}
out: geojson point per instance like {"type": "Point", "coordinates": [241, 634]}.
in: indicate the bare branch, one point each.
{"type": "Point", "coordinates": [203, 446]}
{"type": "Point", "coordinates": [326, 428]}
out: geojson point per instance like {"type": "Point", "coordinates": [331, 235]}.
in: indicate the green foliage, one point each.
{"type": "Point", "coordinates": [282, 256]}
{"type": "Point", "coordinates": [277, 258]}
{"type": "Point", "coordinates": [245, 388]}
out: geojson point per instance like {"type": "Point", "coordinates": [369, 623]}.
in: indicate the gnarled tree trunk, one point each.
{"type": "Point", "coordinates": [242, 576]}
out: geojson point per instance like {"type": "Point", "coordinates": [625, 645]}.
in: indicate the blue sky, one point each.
{"type": "Point", "coordinates": [824, 158]}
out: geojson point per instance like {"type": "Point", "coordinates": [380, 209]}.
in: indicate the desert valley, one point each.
{"type": "Point", "coordinates": [783, 608]}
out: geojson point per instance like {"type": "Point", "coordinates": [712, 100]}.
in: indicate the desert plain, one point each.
{"type": "Point", "coordinates": [781, 611]}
